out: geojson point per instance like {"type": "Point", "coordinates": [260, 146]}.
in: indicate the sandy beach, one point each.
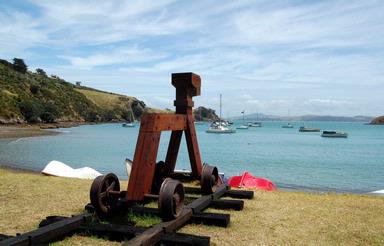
{"type": "Point", "coordinates": [24, 131]}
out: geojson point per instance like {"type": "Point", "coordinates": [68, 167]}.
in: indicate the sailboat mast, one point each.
{"type": "Point", "coordinates": [220, 107]}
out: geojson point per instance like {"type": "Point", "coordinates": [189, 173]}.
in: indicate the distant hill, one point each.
{"type": "Point", "coordinates": [31, 97]}
{"type": "Point", "coordinates": [378, 120]}
{"type": "Point", "coordinates": [265, 117]}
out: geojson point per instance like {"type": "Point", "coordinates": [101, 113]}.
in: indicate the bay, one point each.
{"type": "Point", "coordinates": [289, 158]}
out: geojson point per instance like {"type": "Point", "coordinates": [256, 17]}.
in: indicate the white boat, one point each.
{"type": "Point", "coordinates": [220, 126]}
{"type": "Point", "coordinates": [334, 134]}
{"type": "Point", "coordinates": [254, 124]}
{"type": "Point", "coordinates": [243, 126]}
{"type": "Point", "coordinates": [128, 124]}
{"type": "Point", "coordinates": [288, 125]}
{"type": "Point", "coordinates": [59, 169]}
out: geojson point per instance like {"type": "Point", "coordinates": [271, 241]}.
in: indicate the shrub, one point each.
{"type": "Point", "coordinates": [31, 110]}
{"type": "Point", "coordinates": [19, 65]}
{"type": "Point", "coordinates": [34, 89]}
{"type": "Point", "coordinates": [41, 72]}
{"type": "Point", "coordinates": [49, 113]}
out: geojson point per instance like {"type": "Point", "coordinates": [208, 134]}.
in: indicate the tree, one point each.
{"type": "Point", "coordinates": [41, 72]}
{"type": "Point", "coordinates": [19, 65]}
{"type": "Point", "coordinates": [49, 113]}
{"type": "Point", "coordinates": [31, 110]}
{"type": "Point", "coordinates": [108, 115]}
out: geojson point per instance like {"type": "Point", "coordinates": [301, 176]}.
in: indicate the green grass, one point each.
{"type": "Point", "coordinates": [271, 218]}
{"type": "Point", "coordinates": [34, 98]}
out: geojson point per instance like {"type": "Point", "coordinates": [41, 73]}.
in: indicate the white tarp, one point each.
{"type": "Point", "coordinates": [57, 168]}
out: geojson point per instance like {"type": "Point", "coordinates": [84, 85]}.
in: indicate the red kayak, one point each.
{"type": "Point", "coordinates": [248, 181]}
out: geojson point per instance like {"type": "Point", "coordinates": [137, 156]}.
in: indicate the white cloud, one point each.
{"type": "Point", "coordinates": [322, 56]}
{"type": "Point", "coordinates": [124, 55]}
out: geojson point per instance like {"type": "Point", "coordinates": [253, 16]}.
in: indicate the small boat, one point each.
{"type": "Point", "coordinates": [248, 181]}
{"type": "Point", "coordinates": [288, 125]}
{"type": "Point", "coordinates": [254, 124]}
{"type": "Point", "coordinates": [308, 129]}
{"type": "Point", "coordinates": [219, 127]}
{"type": "Point", "coordinates": [59, 169]}
{"type": "Point", "coordinates": [128, 124]}
{"type": "Point", "coordinates": [334, 134]}
{"type": "Point", "coordinates": [242, 127]}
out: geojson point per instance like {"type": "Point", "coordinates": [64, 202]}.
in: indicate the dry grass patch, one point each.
{"type": "Point", "coordinates": [103, 99]}
{"type": "Point", "coordinates": [271, 218]}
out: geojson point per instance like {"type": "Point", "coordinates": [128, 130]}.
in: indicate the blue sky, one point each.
{"type": "Point", "coordinates": [306, 57]}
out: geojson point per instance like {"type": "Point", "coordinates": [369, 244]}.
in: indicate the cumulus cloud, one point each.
{"type": "Point", "coordinates": [266, 56]}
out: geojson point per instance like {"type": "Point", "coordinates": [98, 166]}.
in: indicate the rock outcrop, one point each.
{"type": "Point", "coordinates": [378, 121]}
{"type": "Point", "coordinates": [205, 114]}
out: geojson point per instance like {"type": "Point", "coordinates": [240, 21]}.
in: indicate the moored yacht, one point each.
{"type": "Point", "coordinates": [130, 124]}
{"type": "Point", "coordinates": [308, 129]}
{"type": "Point", "coordinates": [243, 126]}
{"type": "Point", "coordinates": [220, 126]}
{"type": "Point", "coordinates": [334, 134]}
{"type": "Point", "coordinates": [254, 124]}
{"type": "Point", "coordinates": [288, 125]}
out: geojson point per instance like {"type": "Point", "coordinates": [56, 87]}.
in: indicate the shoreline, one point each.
{"type": "Point", "coordinates": [23, 130]}
{"type": "Point", "coordinates": [11, 132]}
{"type": "Point", "coordinates": [282, 187]}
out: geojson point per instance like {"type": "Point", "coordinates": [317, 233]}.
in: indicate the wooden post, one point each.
{"type": "Point", "coordinates": [140, 181]}
{"type": "Point", "coordinates": [187, 86]}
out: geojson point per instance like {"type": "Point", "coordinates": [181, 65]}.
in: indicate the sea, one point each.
{"type": "Point", "coordinates": [291, 159]}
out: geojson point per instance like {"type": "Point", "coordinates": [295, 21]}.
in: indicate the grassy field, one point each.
{"type": "Point", "coordinates": [271, 218]}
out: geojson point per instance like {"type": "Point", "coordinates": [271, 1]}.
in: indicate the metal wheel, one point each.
{"type": "Point", "coordinates": [209, 179]}
{"type": "Point", "coordinates": [105, 191]}
{"type": "Point", "coordinates": [171, 199]}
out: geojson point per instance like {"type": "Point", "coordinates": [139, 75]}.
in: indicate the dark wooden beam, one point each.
{"type": "Point", "coordinates": [242, 194]}
{"type": "Point", "coordinates": [227, 204]}
{"type": "Point", "coordinates": [48, 233]}
{"type": "Point", "coordinates": [215, 219]}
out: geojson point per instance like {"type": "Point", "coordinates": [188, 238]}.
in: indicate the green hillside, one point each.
{"type": "Point", "coordinates": [31, 97]}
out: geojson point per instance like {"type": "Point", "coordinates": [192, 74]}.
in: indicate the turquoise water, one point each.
{"type": "Point", "coordinates": [289, 158]}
